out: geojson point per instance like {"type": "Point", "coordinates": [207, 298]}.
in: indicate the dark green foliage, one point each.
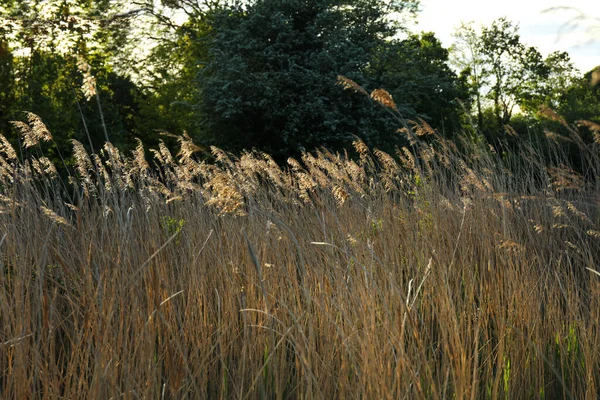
{"type": "Point", "coordinates": [416, 72]}
{"type": "Point", "coordinates": [51, 88]}
{"type": "Point", "coordinates": [581, 100]}
{"type": "Point", "coordinates": [555, 74]}
{"type": "Point", "coordinates": [170, 88]}
{"type": "Point", "coordinates": [271, 78]}
{"type": "Point", "coordinates": [40, 43]}
{"type": "Point", "coordinates": [263, 74]}
{"type": "Point", "coordinates": [7, 81]}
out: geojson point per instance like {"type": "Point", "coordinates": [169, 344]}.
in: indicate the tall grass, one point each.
{"type": "Point", "coordinates": [443, 272]}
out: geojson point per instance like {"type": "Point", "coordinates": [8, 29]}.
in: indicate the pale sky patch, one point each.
{"type": "Point", "coordinates": [537, 28]}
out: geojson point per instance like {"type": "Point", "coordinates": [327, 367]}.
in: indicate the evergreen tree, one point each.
{"type": "Point", "coordinates": [270, 81]}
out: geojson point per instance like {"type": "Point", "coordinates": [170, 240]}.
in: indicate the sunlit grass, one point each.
{"type": "Point", "coordinates": [442, 271]}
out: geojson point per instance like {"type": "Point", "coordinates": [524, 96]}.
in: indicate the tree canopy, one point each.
{"type": "Point", "coordinates": [270, 81]}
{"type": "Point", "coordinates": [508, 74]}
{"type": "Point", "coordinates": [263, 73]}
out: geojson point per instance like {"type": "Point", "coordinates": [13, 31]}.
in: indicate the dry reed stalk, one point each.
{"type": "Point", "coordinates": [334, 278]}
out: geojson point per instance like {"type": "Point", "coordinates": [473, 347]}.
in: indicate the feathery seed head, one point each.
{"type": "Point", "coordinates": [383, 97]}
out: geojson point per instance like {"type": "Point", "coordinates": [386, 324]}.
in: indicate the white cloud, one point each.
{"type": "Point", "coordinates": [537, 28]}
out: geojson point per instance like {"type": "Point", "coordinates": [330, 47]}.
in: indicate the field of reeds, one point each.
{"type": "Point", "coordinates": [447, 270]}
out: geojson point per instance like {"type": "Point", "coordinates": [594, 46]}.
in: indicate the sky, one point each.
{"type": "Point", "coordinates": [545, 30]}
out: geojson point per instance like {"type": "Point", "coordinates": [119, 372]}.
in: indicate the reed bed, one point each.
{"type": "Point", "coordinates": [443, 271]}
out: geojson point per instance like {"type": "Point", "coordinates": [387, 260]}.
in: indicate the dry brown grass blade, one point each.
{"type": "Point", "coordinates": [440, 271]}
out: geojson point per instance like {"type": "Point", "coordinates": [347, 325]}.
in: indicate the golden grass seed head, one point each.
{"type": "Point", "coordinates": [383, 97]}
{"type": "Point", "coordinates": [349, 84]}
{"type": "Point", "coordinates": [54, 217]}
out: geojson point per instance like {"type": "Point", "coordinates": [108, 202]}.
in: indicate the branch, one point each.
{"type": "Point", "coordinates": [122, 15]}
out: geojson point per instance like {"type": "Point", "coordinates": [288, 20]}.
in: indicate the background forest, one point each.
{"type": "Point", "coordinates": [263, 74]}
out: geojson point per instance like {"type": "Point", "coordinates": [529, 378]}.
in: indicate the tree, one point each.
{"type": "Point", "coordinates": [40, 44]}
{"type": "Point", "coordinates": [556, 76]}
{"type": "Point", "coordinates": [511, 67]}
{"type": "Point", "coordinates": [270, 81]}
{"type": "Point", "coordinates": [167, 76]}
{"type": "Point", "coordinates": [581, 100]}
{"type": "Point", "coordinates": [415, 71]}
{"type": "Point", "coordinates": [507, 73]}
{"type": "Point", "coordinates": [7, 81]}
{"type": "Point", "coordinates": [467, 57]}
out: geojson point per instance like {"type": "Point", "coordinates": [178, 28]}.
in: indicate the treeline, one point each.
{"type": "Point", "coordinates": [264, 74]}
